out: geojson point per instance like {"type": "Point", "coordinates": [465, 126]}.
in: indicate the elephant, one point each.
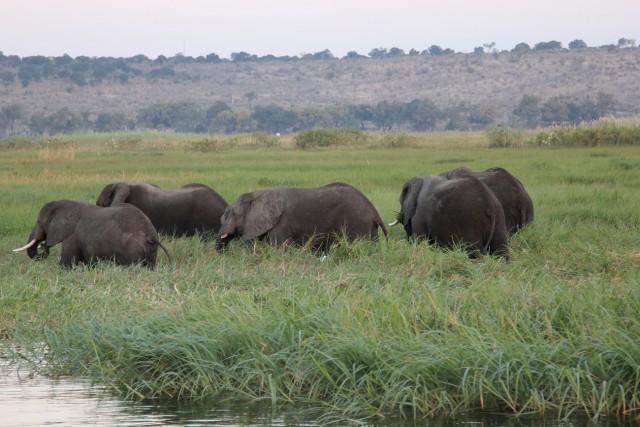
{"type": "Point", "coordinates": [284, 215]}
{"type": "Point", "coordinates": [192, 209]}
{"type": "Point", "coordinates": [450, 212]}
{"type": "Point", "coordinates": [516, 202]}
{"type": "Point", "coordinates": [89, 233]}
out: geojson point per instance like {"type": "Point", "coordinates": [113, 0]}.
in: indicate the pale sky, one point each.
{"type": "Point", "coordinates": [125, 28]}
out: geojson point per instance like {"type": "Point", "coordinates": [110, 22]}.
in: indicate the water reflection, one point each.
{"type": "Point", "coordinates": [32, 400]}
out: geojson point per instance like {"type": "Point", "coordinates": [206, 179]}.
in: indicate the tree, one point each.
{"type": "Point", "coordinates": [521, 48]}
{"type": "Point", "coordinates": [528, 110]}
{"type": "Point", "coordinates": [215, 109]}
{"type": "Point", "coordinates": [7, 77]}
{"type": "Point", "coordinates": [362, 113]}
{"type": "Point", "coordinates": [604, 103]}
{"type": "Point", "coordinates": [554, 112]}
{"type": "Point", "coordinates": [387, 114]}
{"type": "Point", "coordinates": [242, 57]}
{"type": "Point", "coordinates": [354, 55]}
{"type": "Point", "coordinates": [63, 61]}
{"type": "Point", "coordinates": [229, 121]}
{"type": "Point", "coordinates": [577, 44]}
{"type": "Point", "coordinates": [325, 54]}
{"type": "Point", "coordinates": [395, 52]}
{"type": "Point", "coordinates": [139, 59]}
{"type": "Point", "coordinates": [9, 115]}
{"type": "Point", "coordinates": [421, 114]}
{"type": "Point", "coordinates": [379, 52]}
{"type": "Point", "coordinates": [63, 121]}
{"type": "Point", "coordinates": [179, 116]}
{"type": "Point", "coordinates": [490, 47]}
{"type": "Point", "coordinates": [272, 118]}
{"type": "Point", "coordinates": [551, 45]}
{"type": "Point", "coordinates": [314, 118]}
{"type": "Point", "coordinates": [251, 96]}
{"type": "Point", "coordinates": [435, 50]}
{"type": "Point", "coordinates": [624, 42]}
{"type": "Point", "coordinates": [212, 58]}
{"type": "Point", "coordinates": [110, 122]}
{"type": "Point", "coordinates": [483, 115]}
{"type": "Point", "coordinates": [27, 73]}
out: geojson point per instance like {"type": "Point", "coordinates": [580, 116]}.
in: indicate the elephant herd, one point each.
{"type": "Point", "coordinates": [476, 210]}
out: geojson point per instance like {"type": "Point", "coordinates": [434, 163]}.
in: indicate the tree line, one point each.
{"type": "Point", "coordinates": [83, 70]}
{"type": "Point", "coordinates": [418, 115]}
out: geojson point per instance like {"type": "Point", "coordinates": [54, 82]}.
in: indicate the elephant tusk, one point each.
{"type": "Point", "coordinates": [391, 224]}
{"type": "Point", "coordinates": [27, 246]}
{"type": "Point", "coordinates": [224, 236]}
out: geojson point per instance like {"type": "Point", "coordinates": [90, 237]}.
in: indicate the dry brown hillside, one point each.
{"type": "Point", "coordinates": [499, 79]}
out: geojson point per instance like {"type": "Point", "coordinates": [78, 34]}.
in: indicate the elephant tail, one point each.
{"type": "Point", "coordinates": [487, 244]}
{"type": "Point", "coordinates": [380, 223]}
{"type": "Point", "coordinates": [166, 252]}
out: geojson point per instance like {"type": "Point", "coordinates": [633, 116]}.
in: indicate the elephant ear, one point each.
{"type": "Point", "coordinates": [62, 222]}
{"type": "Point", "coordinates": [262, 214]}
{"type": "Point", "coordinates": [114, 194]}
{"type": "Point", "coordinates": [409, 198]}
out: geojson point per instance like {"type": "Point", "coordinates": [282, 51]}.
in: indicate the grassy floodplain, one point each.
{"type": "Point", "coordinates": [376, 328]}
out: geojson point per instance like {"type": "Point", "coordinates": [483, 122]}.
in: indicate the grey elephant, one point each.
{"type": "Point", "coordinates": [516, 202]}
{"type": "Point", "coordinates": [89, 233]}
{"type": "Point", "coordinates": [449, 212]}
{"type": "Point", "coordinates": [191, 209]}
{"type": "Point", "coordinates": [285, 215]}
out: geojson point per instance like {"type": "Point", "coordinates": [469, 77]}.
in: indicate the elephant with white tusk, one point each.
{"type": "Point", "coordinates": [89, 233]}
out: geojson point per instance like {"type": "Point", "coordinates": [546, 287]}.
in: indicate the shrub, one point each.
{"type": "Point", "coordinates": [504, 136]}
{"type": "Point", "coordinates": [398, 140]}
{"type": "Point", "coordinates": [329, 138]}
{"type": "Point", "coordinates": [206, 145]}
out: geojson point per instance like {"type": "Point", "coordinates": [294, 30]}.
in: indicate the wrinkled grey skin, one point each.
{"type": "Point", "coordinates": [450, 212]}
{"type": "Point", "coordinates": [516, 202]}
{"type": "Point", "coordinates": [189, 210]}
{"type": "Point", "coordinates": [295, 215]}
{"type": "Point", "coordinates": [89, 233]}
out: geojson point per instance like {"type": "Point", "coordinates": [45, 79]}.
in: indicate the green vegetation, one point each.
{"type": "Point", "coordinates": [376, 328]}
{"type": "Point", "coordinates": [314, 138]}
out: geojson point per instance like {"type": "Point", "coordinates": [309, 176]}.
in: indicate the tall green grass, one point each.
{"type": "Point", "coordinates": [391, 327]}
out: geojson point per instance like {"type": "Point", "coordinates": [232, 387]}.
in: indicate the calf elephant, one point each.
{"type": "Point", "coordinates": [189, 210]}
{"type": "Point", "coordinates": [89, 233]}
{"type": "Point", "coordinates": [516, 202]}
{"type": "Point", "coordinates": [449, 212]}
{"type": "Point", "coordinates": [295, 215]}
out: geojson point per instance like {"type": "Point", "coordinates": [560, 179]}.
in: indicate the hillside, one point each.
{"type": "Point", "coordinates": [498, 80]}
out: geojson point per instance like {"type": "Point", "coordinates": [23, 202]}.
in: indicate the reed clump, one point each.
{"type": "Point", "coordinates": [605, 132]}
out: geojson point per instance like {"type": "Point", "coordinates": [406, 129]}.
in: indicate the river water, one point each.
{"type": "Point", "coordinates": [32, 400]}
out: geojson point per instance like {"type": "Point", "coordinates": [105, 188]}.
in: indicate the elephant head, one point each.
{"type": "Point", "coordinates": [113, 194]}
{"type": "Point", "coordinates": [56, 221]}
{"type": "Point", "coordinates": [251, 216]}
{"type": "Point", "coordinates": [409, 202]}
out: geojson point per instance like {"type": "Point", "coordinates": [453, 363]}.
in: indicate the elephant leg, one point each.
{"type": "Point", "coordinates": [70, 254]}
{"type": "Point", "coordinates": [499, 245]}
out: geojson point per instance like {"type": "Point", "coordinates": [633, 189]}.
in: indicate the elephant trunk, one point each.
{"type": "Point", "coordinates": [35, 238]}
{"type": "Point", "coordinates": [222, 240]}
{"type": "Point", "coordinates": [220, 243]}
